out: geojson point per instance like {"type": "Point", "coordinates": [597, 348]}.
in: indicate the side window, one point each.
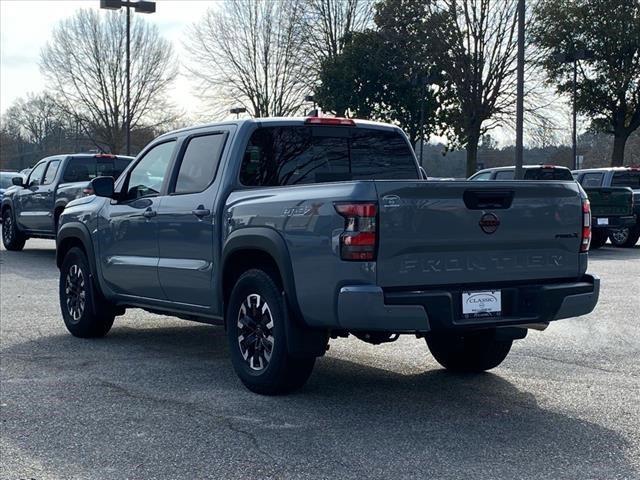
{"type": "Point", "coordinates": [591, 180]}
{"type": "Point", "coordinates": [505, 175]}
{"type": "Point", "coordinates": [36, 174]}
{"type": "Point", "coordinates": [50, 174]}
{"type": "Point", "coordinates": [147, 176]}
{"type": "Point", "coordinates": [199, 163]}
{"type": "Point", "coordinates": [482, 176]}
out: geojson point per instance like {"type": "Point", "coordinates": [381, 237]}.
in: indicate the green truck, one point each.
{"type": "Point", "coordinates": [614, 194]}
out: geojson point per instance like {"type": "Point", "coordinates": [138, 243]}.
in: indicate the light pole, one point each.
{"type": "Point", "coordinates": [520, 92]}
{"type": "Point", "coordinates": [238, 111]}
{"type": "Point", "coordinates": [573, 57]}
{"type": "Point", "coordinates": [141, 6]}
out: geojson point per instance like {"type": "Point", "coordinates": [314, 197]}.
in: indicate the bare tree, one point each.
{"type": "Point", "coordinates": [84, 64]}
{"type": "Point", "coordinates": [251, 53]}
{"type": "Point", "coordinates": [480, 63]}
{"type": "Point", "coordinates": [36, 119]}
{"type": "Point", "coordinates": [328, 25]}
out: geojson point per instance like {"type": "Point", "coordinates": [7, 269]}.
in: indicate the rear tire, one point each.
{"type": "Point", "coordinates": [625, 237]}
{"type": "Point", "coordinates": [256, 316]}
{"type": "Point", "coordinates": [469, 352]}
{"type": "Point", "coordinates": [598, 239]}
{"type": "Point", "coordinates": [12, 238]}
{"type": "Point", "coordinates": [86, 313]}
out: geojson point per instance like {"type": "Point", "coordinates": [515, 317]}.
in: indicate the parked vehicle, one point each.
{"type": "Point", "coordinates": [6, 181]}
{"type": "Point", "coordinates": [530, 172]}
{"type": "Point", "coordinates": [32, 208]}
{"type": "Point", "coordinates": [615, 203]}
{"type": "Point", "coordinates": [293, 231]}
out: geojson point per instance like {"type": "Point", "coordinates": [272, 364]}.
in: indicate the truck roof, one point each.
{"type": "Point", "coordinates": [282, 121]}
{"type": "Point", "coordinates": [605, 169]}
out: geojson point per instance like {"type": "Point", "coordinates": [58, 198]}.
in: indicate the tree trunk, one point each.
{"type": "Point", "coordinates": [619, 142]}
{"type": "Point", "coordinates": [472, 153]}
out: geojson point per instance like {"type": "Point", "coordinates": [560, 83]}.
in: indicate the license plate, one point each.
{"type": "Point", "coordinates": [603, 221]}
{"type": "Point", "coordinates": [485, 303]}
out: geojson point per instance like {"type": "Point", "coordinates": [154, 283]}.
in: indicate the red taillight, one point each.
{"type": "Point", "coordinates": [586, 225]}
{"type": "Point", "coordinates": [359, 239]}
{"type": "Point", "coordinates": [330, 121]}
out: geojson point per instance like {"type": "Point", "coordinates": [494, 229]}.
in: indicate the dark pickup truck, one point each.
{"type": "Point", "coordinates": [32, 207]}
{"type": "Point", "coordinates": [614, 194]}
{"type": "Point", "coordinates": [293, 231]}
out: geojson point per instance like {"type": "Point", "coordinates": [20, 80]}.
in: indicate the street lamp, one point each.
{"type": "Point", "coordinates": [238, 111]}
{"type": "Point", "coordinates": [569, 57]}
{"type": "Point", "coordinates": [520, 92]}
{"type": "Point", "coordinates": [141, 6]}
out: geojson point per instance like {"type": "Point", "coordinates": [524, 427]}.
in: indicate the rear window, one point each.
{"type": "Point", "coordinates": [626, 179]}
{"type": "Point", "coordinates": [562, 174]}
{"type": "Point", "coordinates": [314, 154]}
{"type": "Point", "coordinates": [84, 169]}
{"type": "Point", "coordinates": [505, 175]}
{"type": "Point", "coordinates": [591, 180]}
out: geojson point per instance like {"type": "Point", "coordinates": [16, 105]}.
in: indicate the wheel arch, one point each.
{"type": "Point", "coordinates": [257, 247]}
{"type": "Point", "coordinates": [75, 234]}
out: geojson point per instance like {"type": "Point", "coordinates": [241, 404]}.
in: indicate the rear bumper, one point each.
{"type": "Point", "coordinates": [614, 222]}
{"type": "Point", "coordinates": [369, 308]}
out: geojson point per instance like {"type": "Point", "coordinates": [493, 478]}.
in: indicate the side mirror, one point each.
{"type": "Point", "coordinates": [103, 186]}
{"type": "Point", "coordinates": [19, 181]}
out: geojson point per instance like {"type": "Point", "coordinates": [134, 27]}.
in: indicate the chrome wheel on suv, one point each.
{"type": "Point", "coordinates": [255, 332]}
{"type": "Point", "coordinates": [75, 292]}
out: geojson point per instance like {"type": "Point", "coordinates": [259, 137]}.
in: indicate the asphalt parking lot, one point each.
{"type": "Point", "coordinates": [157, 398]}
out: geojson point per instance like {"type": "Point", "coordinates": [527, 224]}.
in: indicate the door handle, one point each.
{"type": "Point", "coordinates": [148, 213]}
{"type": "Point", "coordinates": [201, 212]}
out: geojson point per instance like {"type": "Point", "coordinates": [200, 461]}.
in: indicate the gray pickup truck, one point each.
{"type": "Point", "coordinates": [290, 232]}
{"type": "Point", "coordinates": [32, 207]}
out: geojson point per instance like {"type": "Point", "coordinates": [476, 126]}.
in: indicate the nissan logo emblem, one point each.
{"type": "Point", "coordinates": [489, 223]}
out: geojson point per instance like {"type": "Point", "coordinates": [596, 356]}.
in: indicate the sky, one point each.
{"type": "Point", "coordinates": [26, 25]}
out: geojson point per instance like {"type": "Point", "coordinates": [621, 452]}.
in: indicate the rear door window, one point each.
{"type": "Point", "coordinates": [314, 154]}
{"type": "Point", "coordinates": [626, 179]}
{"type": "Point", "coordinates": [505, 175]}
{"type": "Point", "coordinates": [591, 180]}
{"type": "Point", "coordinates": [199, 163]}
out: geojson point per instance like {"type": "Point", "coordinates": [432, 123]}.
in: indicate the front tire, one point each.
{"type": "Point", "coordinates": [469, 352]}
{"type": "Point", "coordinates": [256, 316]}
{"type": "Point", "coordinates": [12, 238]}
{"type": "Point", "coordinates": [86, 314]}
{"type": "Point", "coordinates": [625, 237]}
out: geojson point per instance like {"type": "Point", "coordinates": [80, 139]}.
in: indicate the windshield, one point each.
{"type": "Point", "coordinates": [626, 179]}
{"type": "Point", "coordinates": [84, 169]}
{"type": "Point", "coordinates": [314, 154]}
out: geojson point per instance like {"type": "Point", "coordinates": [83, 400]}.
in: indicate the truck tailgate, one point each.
{"type": "Point", "coordinates": [439, 233]}
{"type": "Point", "coordinates": [610, 201]}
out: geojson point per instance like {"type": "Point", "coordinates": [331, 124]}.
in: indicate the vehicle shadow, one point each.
{"type": "Point", "coordinates": [350, 421]}
{"type": "Point", "coordinates": [609, 252]}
